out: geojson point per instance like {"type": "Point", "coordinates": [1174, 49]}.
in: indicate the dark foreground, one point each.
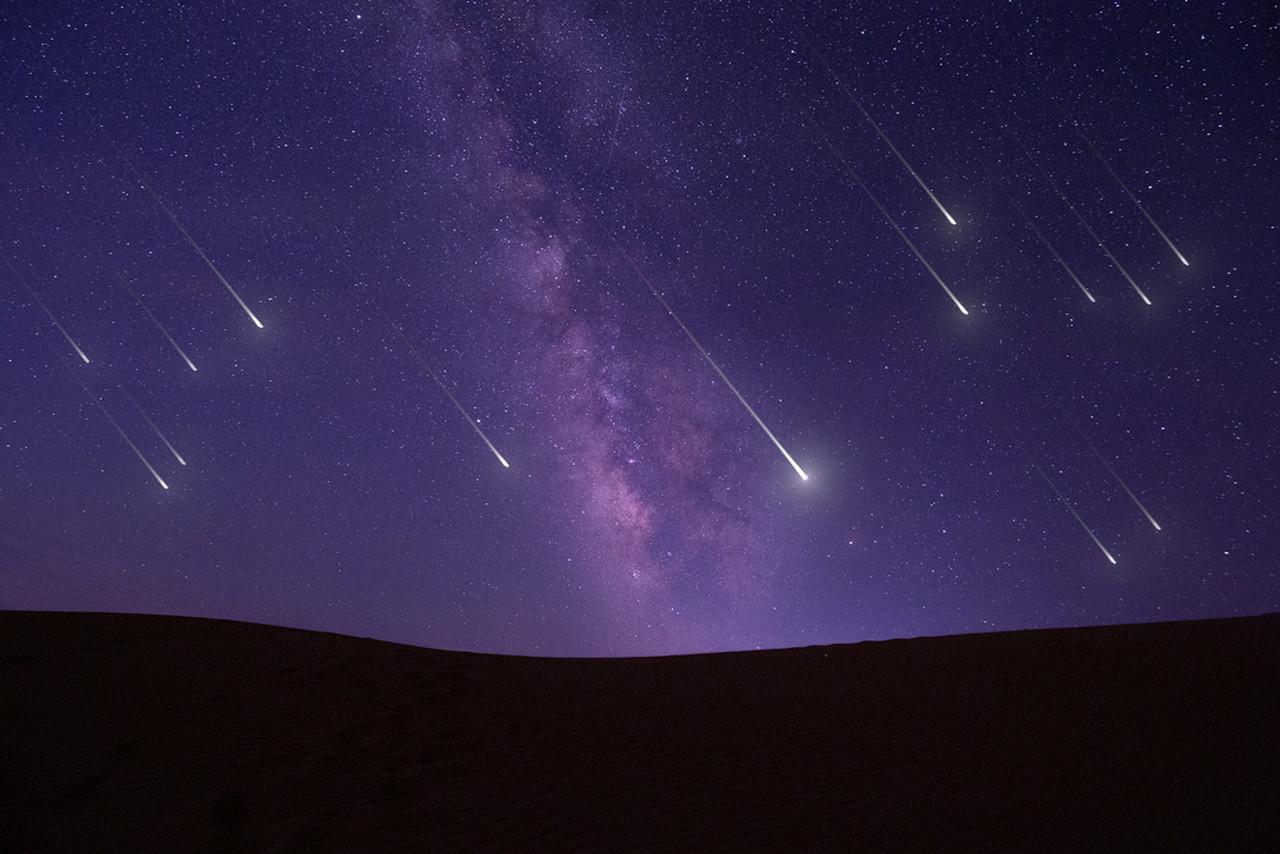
{"type": "Point", "coordinates": [158, 733]}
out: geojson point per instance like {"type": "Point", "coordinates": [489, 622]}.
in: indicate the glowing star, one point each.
{"type": "Point", "coordinates": [883, 136]}
{"type": "Point", "coordinates": [56, 325]}
{"type": "Point", "coordinates": [698, 344]}
{"type": "Point", "coordinates": [190, 239]}
{"type": "Point", "coordinates": [1050, 247]}
{"type": "Point", "coordinates": [158, 324]}
{"type": "Point", "coordinates": [426, 368]}
{"type": "Point", "coordinates": [907, 240]}
{"type": "Point", "coordinates": [1128, 192]}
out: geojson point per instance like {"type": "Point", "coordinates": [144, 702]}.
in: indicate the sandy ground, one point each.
{"type": "Point", "coordinates": [148, 733]}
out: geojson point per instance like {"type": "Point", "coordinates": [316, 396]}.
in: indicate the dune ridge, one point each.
{"type": "Point", "coordinates": [128, 732]}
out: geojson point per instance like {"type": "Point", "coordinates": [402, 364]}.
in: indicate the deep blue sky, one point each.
{"type": "Point", "coordinates": [464, 166]}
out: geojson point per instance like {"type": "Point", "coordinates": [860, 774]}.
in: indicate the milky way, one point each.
{"type": "Point", "coordinates": [465, 165]}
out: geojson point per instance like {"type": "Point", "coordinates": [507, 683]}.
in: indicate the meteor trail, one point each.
{"type": "Point", "coordinates": [187, 235]}
{"type": "Point", "coordinates": [49, 314]}
{"type": "Point", "coordinates": [1096, 239]}
{"type": "Point", "coordinates": [426, 368]}
{"type": "Point", "coordinates": [1067, 504]}
{"type": "Point", "coordinates": [1105, 462]}
{"type": "Point", "coordinates": [1049, 246]}
{"type": "Point", "coordinates": [153, 426]}
{"type": "Point", "coordinates": [710, 361]}
{"type": "Point", "coordinates": [123, 435]}
{"type": "Point", "coordinates": [1128, 192]}
{"type": "Point", "coordinates": [613, 139]}
{"type": "Point", "coordinates": [907, 240]}
{"type": "Point", "coordinates": [158, 324]}
{"type": "Point", "coordinates": [883, 136]}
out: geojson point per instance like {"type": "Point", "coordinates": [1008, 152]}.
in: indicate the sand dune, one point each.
{"type": "Point", "coordinates": [158, 733]}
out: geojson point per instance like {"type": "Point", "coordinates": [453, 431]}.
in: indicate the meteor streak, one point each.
{"type": "Point", "coordinates": [883, 136]}
{"type": "Point", "coordinates": [426, 368]}
{"type": "Point", "coordinates": [1096, 239]}
{"type": "Point", "coordinates": [907, 240]}
{"type": "Point", "coordinates": [187, 235]}
{"type": "Point", "coordinates": [158, 324]}
{"type": "Point", "coordinates": [153, 426]}
{"type": "Point", "coordinates": [1049, 246]}
{"type": "Point", "coordinates": [711, 362]}
{"type": "Point", "coordinates": [123, 435]}
{"type": "Point", "coordinates": [1105, 462]}
{"type": "Point", "coordinates": [1128, 192]}
{"type": "Point", "coordinates": [613, 139]}
{"type": "Point", "coordinates": [49, 314]}
{"type": "Point", "coordinates": [1067, 504]}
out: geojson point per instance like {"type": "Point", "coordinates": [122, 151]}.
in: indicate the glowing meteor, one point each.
{"type": "Point", "coordinates": [426, 368]}
{"type": "Point", "coordinates": [123, 435]}
{"type": "Point", "coordinates": [49, 314]}
{"type": "Point", "coordinates": [1050, 247]}
{"type": "Point", "coordinates": [907, 240]}
{"type": "Point", "coordinates": [158, 324]}
{"type": "Point", "coordinates": [711, 362]}
{"type": "Point", "coordinates": [883, 136]}
{"type": "Point", "coordinates": [1067, 504]}
{"type": "Point", "coordinates": [1107, 463]}
{"type": "Point", "coordinates": [1128, 192]}
{"type": "Point", "coordinates": [187, 235]}
{"type": "Point", "coordinates": [153, 426]}
{"type": "Point", "coordinates": [1096, 239]}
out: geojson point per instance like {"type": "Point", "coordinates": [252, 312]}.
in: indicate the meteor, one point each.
{"type": "Point", "coordinates": [158, 324]}
{"type": "Point", "coordinates": [1049, 246]}
{"type": "Point", "coordinates": [1105, 462]}
{"type": "Point", "coordinates": [907, 240]}
{"type": "Point", "coordinates": [613, 139]}
{"type": "Point", "coordinates": [1128, 192]}
{"type": "Point", "coordinates": [187, 235]}
{"type": "Point", "coordinates": [1096, 239]}
{"type": "Point", "coordinates": [123, 435]}
{"type": "Point", "coordinates": [1067, 504]}
{"type": "Point", "coordinates": [710, 361]}
{"type": "Point", "coordinates": [49, 314]}
{"type": "Point", "coordinates": [153, 426]}
{"type": "Point", "coordinates": [883, 136]}
{"type": "Point", "coordinates": [426, 368]}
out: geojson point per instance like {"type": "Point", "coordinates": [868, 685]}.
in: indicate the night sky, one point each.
{"type": "Point", "coordinates": [479, 173]}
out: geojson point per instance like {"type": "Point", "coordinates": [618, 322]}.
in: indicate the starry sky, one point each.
{"type": "Point", "coordinates": [477, 175]}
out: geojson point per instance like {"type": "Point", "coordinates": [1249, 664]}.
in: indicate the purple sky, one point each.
{"type": "Point", "coordinates": [467, 168]}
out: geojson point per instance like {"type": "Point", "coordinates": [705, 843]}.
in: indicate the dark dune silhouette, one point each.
{"type": "Point", "coordinates": [147, 733]}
